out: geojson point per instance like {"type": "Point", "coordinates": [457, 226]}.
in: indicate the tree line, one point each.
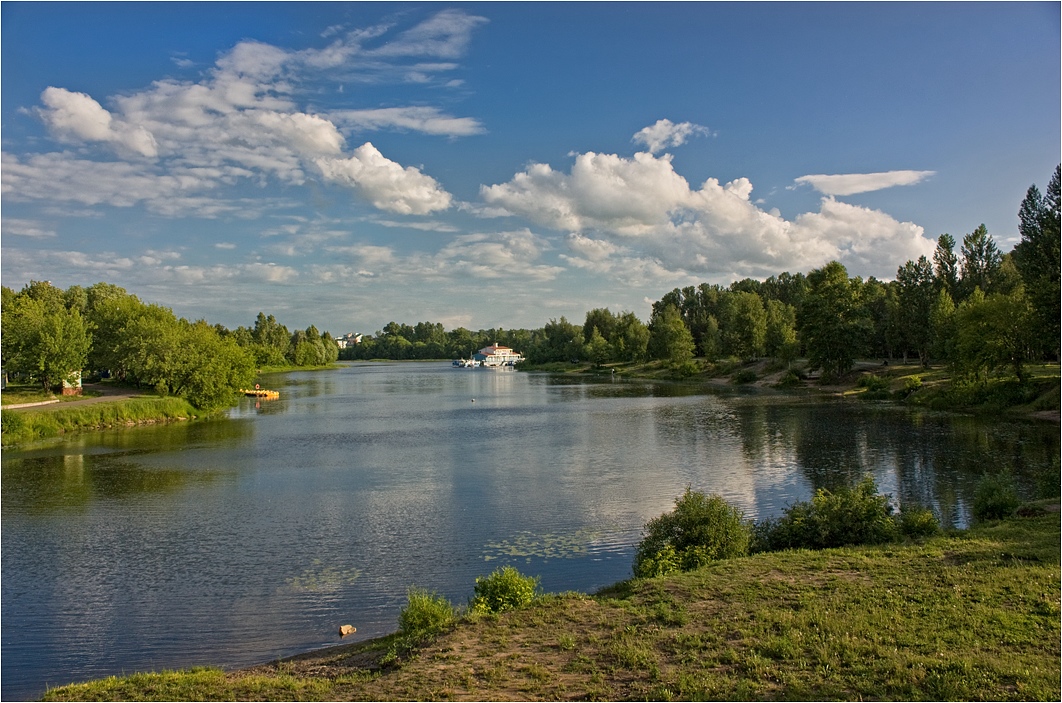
{"type": "Point", "coordinates": [51, 336]}
{"type": "Point", "coordinates": [970, 305]}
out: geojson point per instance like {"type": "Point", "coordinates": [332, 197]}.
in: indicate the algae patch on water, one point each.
{"type": "Point", "coordinates": [320, 578]}
{"type": "Point", "coordinates": [527, 545]}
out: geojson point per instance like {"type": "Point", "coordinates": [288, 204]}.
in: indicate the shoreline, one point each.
{"type": "Point", "coordinates": [755, 628]}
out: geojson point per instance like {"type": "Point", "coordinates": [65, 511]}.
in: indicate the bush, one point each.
{"type": "Point", "coordinates": [505, 589]}
{"type": "Point", "coordinates": [791, 378]}
{"type": "Point", "coordinates": [874, 383]}
{"type": "Point", "coordinates": [995, 497]}
{"type": "Point", "coordinates": [744, 376]}
{"type": "Point", "coordinates": [848, 516]}
{"type": "Point", "coordinates": [917, 521]}
{"type": "Point", "coordinates": [425, 614]}
{"type": "Point", "coordinates": [699, 530]}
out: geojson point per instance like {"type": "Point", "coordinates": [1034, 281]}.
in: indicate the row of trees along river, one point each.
{"type": "Point", "coordinates": [982, 311]}
{"type": "Point", "coordinates": [979, 309]}
{"type": "Point", "coordinates": [51, 335]}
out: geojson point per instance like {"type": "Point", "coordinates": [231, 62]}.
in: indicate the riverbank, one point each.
{"type": "Point", "coordinates": [967, 615]}
{"type": "Point", "coordinates": [910, 384]}
{"type": "Point", "coordinates": [32, 424]}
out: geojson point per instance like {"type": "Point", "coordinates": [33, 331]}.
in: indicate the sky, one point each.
{"type": "Point", "coordinates": [491, 165]}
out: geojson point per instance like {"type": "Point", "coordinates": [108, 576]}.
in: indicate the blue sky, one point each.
{"type": "Point", "coordinates": [485, 165]}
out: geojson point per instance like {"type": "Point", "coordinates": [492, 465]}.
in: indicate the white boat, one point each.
{"type": "Point", "coordinates": [497, 355]}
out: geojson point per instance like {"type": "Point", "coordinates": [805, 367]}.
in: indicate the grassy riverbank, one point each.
{"type": "Point", "coordinates": [30, 424]}
{"type": "Point", "coordinates": [935, 387]}
{"type": "Point", "coordinates": [968, 615]}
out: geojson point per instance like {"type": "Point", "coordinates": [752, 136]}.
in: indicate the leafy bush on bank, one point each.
{"type": "Point", "coordinates": [704, 528]}
{"type": "Point", "coordinates": [995, 498]}
{"type": "Point", "coordinates": [699, 530]}
{"type": "Point", "coordinates": [505, 589]}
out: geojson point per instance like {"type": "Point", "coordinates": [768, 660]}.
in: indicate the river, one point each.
{"type": "Point", "coordinates": [241, 539]}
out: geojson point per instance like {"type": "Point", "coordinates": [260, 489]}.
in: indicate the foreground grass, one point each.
{"type": "Point", "coordinates": [20, 426]}
{"type": "Point", "coordinates": [967, 616]}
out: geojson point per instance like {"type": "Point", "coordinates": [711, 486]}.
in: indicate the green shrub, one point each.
{"type": "Point", "coordinates": [790, 378]}
{"type": "Point", "coordinates": [918, 521]}
{"type": "Point", "coordinates": [839, 518]}
{"type": "Point", "coordinates": [874, 383]}
{"type": "Point", "coordinates": [425, 614]}
{"type": "Point", "coordinates": [505, 589]}
{"type": "Point", "coordinates": [699, 530]}
{"type": "Point", "coordinates": [744, 376]}
{"type": "Point", "coordinates": [995, 497]}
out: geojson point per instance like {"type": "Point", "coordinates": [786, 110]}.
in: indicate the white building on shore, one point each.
{"type": "Point", "coordinates": [497, 355]}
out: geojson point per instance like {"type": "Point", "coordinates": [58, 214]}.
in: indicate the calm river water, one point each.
{"type": "Point", "coordinates": [239, 540]}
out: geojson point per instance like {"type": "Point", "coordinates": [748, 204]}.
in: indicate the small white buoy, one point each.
{"type": "Point", "coordinates": [473, 400]}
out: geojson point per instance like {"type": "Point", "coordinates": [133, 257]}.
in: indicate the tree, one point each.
{"type": "Point", "coordinates": [631, 339]}
{"type": "Point", "coordinates": [42, 338]}
{"type": "Point", "coordinates": [561, 341]}
{"type": "Point", "coordinates": [833, 322]}
{"type": "Point", "coordinates": [780, 340]}
{"type": "Point", "coordinates": [947, 266]}
{"type": "Point", "coordinates": [981, 262]}
{"type": "Point", "coordinates": [1037, 257]}
{"type": "Point", "coordinates": [917, 296]}
{"type": "Point", "coordinates": [597, 349]}
{"type": "Point", "coordinates": [993, 334]}
{"type": "Point", "coordinates": [743, 324]}
{"type": "Point", "coordinates": [942, 320]}
{"type": "Point", "coordinates": [670, 339]}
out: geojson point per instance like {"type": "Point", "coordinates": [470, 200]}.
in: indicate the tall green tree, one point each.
{"type": "Point", "coordinates": [669, 338]}
{"type": "Point", "coordinates": [917, 296]}
{"type": "Point", "coordinates": [631, 339]}
{"type": "Point", "coordinates": [981, 262]}
{"type": "Point", "coordinates": [1037, 257]}
{"type": "Point", "coordinates": [743, 324]}
{"type": "Point", "coordinates": [780, 340]}
{"type": "Point", "coordinates": [946, 266]}
{"type": "Point", "coordinates": [833, 322]}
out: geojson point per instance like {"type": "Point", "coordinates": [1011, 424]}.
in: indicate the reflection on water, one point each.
{"type": "Point", "coordinates": [239, 540]}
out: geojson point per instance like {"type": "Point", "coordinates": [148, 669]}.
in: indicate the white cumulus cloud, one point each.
{"type": "Point", "coordinates": [386, 183]}
{"type": "Point", "coordinates": [665, 134]}
{"type": "Point", "coordinates": [642, 204]}
{"type": "Point", "coordinates": [77, 117]}
{"type": "Point", "coordinates": [242, 121]}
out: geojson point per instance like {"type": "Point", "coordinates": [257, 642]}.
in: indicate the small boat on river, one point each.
{"type": "Point", "coordinates": [261, 393]}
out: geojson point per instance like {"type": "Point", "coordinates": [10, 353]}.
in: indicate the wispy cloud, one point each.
{"type": "Point", "coordinates": [854, 183]}
{"type": "Point", "coordinates": [25, 228]}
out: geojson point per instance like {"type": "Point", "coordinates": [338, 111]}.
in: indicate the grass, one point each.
{"type": "Point", "coordinates": [963, 616]}
{"type": "Point", "coordinates": [20, 426]}
{"type": "Point", "coordinates": [16, 394]}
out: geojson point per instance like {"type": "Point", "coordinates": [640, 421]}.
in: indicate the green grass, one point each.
{"type": "Point", "coordinates": [16, 394]}
{"type": "Point", "coordinates": [964, 616]}
{"type": "Point", "coordinates": [20, 426]}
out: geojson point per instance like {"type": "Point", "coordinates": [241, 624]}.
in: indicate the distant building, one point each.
{"type": "Point", "coordinates": [348, 340]}
{"type": "Point", "coordinates": [497, 355]}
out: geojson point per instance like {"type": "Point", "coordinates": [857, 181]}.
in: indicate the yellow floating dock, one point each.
{"type": "Point", "coordinates": [261, 393]}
